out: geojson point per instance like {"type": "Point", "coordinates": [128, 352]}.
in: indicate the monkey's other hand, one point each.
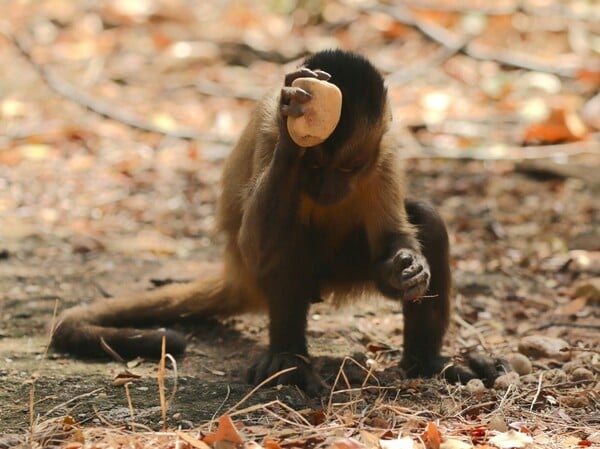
{"type": "Point", "coordinates": [406, 274]}
{"type": "Point", "coordinates": [302, 376]}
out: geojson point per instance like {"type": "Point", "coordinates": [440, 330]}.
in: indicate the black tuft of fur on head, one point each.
{"type": "Point", "coordinates": [362, 85]}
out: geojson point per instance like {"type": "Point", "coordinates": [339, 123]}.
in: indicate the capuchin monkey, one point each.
{"type": "Point", "coordinates": [300, 224]}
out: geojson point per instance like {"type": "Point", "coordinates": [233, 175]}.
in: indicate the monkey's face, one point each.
{"type": "Point", "coordinates": [329, 177]}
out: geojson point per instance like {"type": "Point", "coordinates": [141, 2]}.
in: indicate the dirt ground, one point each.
{"type": "Point", "coordinates": [507, 287]}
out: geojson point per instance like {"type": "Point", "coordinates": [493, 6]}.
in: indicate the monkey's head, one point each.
{"type": "Point", "coordinates": [332, 168]}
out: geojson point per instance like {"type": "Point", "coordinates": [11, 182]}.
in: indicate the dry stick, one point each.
{"type": "Point", "coordinates": [259, 386]}
{"type": "Point", "coordinates": [81, 396]}
{"type": "Point", "coordinates": [70, 92]}
{"type": "Point", "coordinates": [443, 36]}
{"type": "Point", "coordinates": [34, 379]}
{"type": "Point", "coordinates": [161, 382]}
{"type": "Point", "coordinates": [129, 404]}
{"type": "Point", "coordinates": [537, 393]}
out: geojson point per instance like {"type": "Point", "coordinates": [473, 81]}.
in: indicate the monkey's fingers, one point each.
{"type": "Point", "coordinates": [293, 110]}
{"type": "Point", "coordinates": [323, 76]}
{"type": "Point", "coordinates": [403, 259]}
{"type": "Point", "coordinates": [294, 95]}
{"type": "Point", "coordinates": [305, 72]}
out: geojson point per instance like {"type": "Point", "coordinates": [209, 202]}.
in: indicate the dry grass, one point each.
{"type": "Point", "coordinates": [369, 413]}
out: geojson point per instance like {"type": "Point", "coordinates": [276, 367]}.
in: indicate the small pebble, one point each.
{"type": "Point", "coordinates": [505, 380]}
{"type": "Point", "coordinates": [540, 346]}
{"type": "Point", "coordinates": [530, 379]}
{"type": "Point", "coordinates": [571, 366]}
{"type": "Point", "coordinates": [581, 374]}
{"type": "Point", "coordinates": [554, 376]}
{"type": "Point", "coordinates": [475, 386]}
{"type": "Point", "coordinates": [520, 363]}
{"type": "Point", "coordinates": [497, 423]}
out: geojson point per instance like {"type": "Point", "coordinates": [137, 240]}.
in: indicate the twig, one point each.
{"type": "Point", "coordinates": [563, 324]}
{"type": "Point", "coordinates": [258, 387]}
{"type": "Point", "coordinates": [538, 390]}
{"type": "Point", "coordinates": [129, 404]}
{"type": "Point", "coordinates": [70, 92]}
{"type": "Point", "coordinates": [81, 396]}
{"type": "Point", "coordinates": [161, 382]}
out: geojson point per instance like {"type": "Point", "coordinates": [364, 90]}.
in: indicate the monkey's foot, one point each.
{"type": "Point", "coordinates": [409, 275]}
{"type": "Point", "coordinates": [472, 366]}
{"type": "Point", "coordinates": [303, 374]}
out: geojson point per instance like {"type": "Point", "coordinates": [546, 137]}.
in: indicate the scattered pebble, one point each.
{"type": "Point", "coordinates": [554, 376]}
{"type": "Point", "coordinates": [520, 363]}
{"type": "Point", "coordinates": [575, 401]}
{"type": "Point", "coordinates": [475, 386]}
{"type": "Point", "coordinates": [498, 423]}
{"type": "Point", "coordinates": [582, 374]}
{"type": "Point", "coordinates": [540, 346]}
{"type": "Point", "coordinates": [505, 380]}
{"type": "Point", "coordinates": [590, 288]}
{"type": "Point", "coordinates": [530, 379]}
{"type": "Point", "coordinates": [571, 366]}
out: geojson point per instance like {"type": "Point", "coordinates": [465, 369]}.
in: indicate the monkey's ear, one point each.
{"type": "Point", "coordinates": [321, 113]}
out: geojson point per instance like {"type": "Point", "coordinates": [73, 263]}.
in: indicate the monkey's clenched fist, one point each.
{"type": "Point", "coordinates": [405, 275]}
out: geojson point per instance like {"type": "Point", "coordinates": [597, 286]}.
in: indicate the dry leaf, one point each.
{"type": "Point", "coordinates": [573, 307]}
{"type": "Point", "coordinates": [560, 126]}
{"type": "Point", "coordinates": [125, 377]}
{"type": "Point", "coordinates": [347, 443]}
{"type": "Point", "coordinates": [432, 436]}
{"type": "Point", "coordinates": [511, 439]}
{"type": "Point", "coordinates": [194, 442]}
{"type": "Point", "coordinates": [399, 443]}
{"type": "Point", "coordinates": [271, 444]}
{"type": "Point", "coordinates": [451, 443]}
{"type": "Point", "coordinates": [225, 432]}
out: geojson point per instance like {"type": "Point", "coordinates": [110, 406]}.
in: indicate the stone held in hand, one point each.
{"type": "Point", "coordinates": [321, 113]}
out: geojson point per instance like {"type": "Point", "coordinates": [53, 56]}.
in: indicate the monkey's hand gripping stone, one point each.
{"type": "Point", "coordinates": [321, 113]}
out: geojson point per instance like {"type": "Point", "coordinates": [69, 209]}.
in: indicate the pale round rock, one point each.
{"type": "Point", "coordinates": [321, 113]}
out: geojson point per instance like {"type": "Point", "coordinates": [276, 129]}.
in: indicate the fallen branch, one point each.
{"type": "Point", "coordinates": [508, 152]}
{"type": "Point", "coordinates": [70, 92]}
{"type": "Point", "coordinates": [451, 40]}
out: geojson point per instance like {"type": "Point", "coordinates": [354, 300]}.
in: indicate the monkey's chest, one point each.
{"type": "Point", "coordinates": [345, 256]}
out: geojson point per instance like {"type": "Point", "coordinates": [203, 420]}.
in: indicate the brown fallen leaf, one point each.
{"type": "Point", "coordinates": [347, 443]}
{"type": "Point", "coordinates": [193, 442]}
{"type": "Point", "coordinates": [560, 126]}
{"type": "Point", "coordinates": [432, 436]}
{"type": "Point", "coordinates": [125, 377]}
{"type": "Point", "coordinates": [226, 431]}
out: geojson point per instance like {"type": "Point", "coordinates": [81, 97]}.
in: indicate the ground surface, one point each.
{"type": "Point", "coordinates": [91, 207]}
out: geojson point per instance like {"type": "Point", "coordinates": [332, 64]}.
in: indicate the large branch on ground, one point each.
{"type": "Point", "coordinates": [70, 92]}
{"type": "Point", "coordinates": [509, 152]}
{"type": "Point", "coordinates": [452, 41]}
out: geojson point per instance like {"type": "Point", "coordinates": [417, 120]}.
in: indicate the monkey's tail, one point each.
{"type": "Point", "coordinates": [86, 330]}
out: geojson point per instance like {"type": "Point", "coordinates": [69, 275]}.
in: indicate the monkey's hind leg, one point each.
{"type": "Point", "coordinates": [426, 321]}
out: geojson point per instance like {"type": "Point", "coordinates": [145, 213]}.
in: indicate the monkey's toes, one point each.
{"type": "Point", "coordinates": [302, 374]}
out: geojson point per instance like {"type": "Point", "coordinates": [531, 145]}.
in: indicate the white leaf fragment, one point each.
{"type": "Point", "coordinates": [511, 439]}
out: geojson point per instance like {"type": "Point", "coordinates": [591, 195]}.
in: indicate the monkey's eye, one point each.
{"type": "Point", "coordinates": [345, 169]}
